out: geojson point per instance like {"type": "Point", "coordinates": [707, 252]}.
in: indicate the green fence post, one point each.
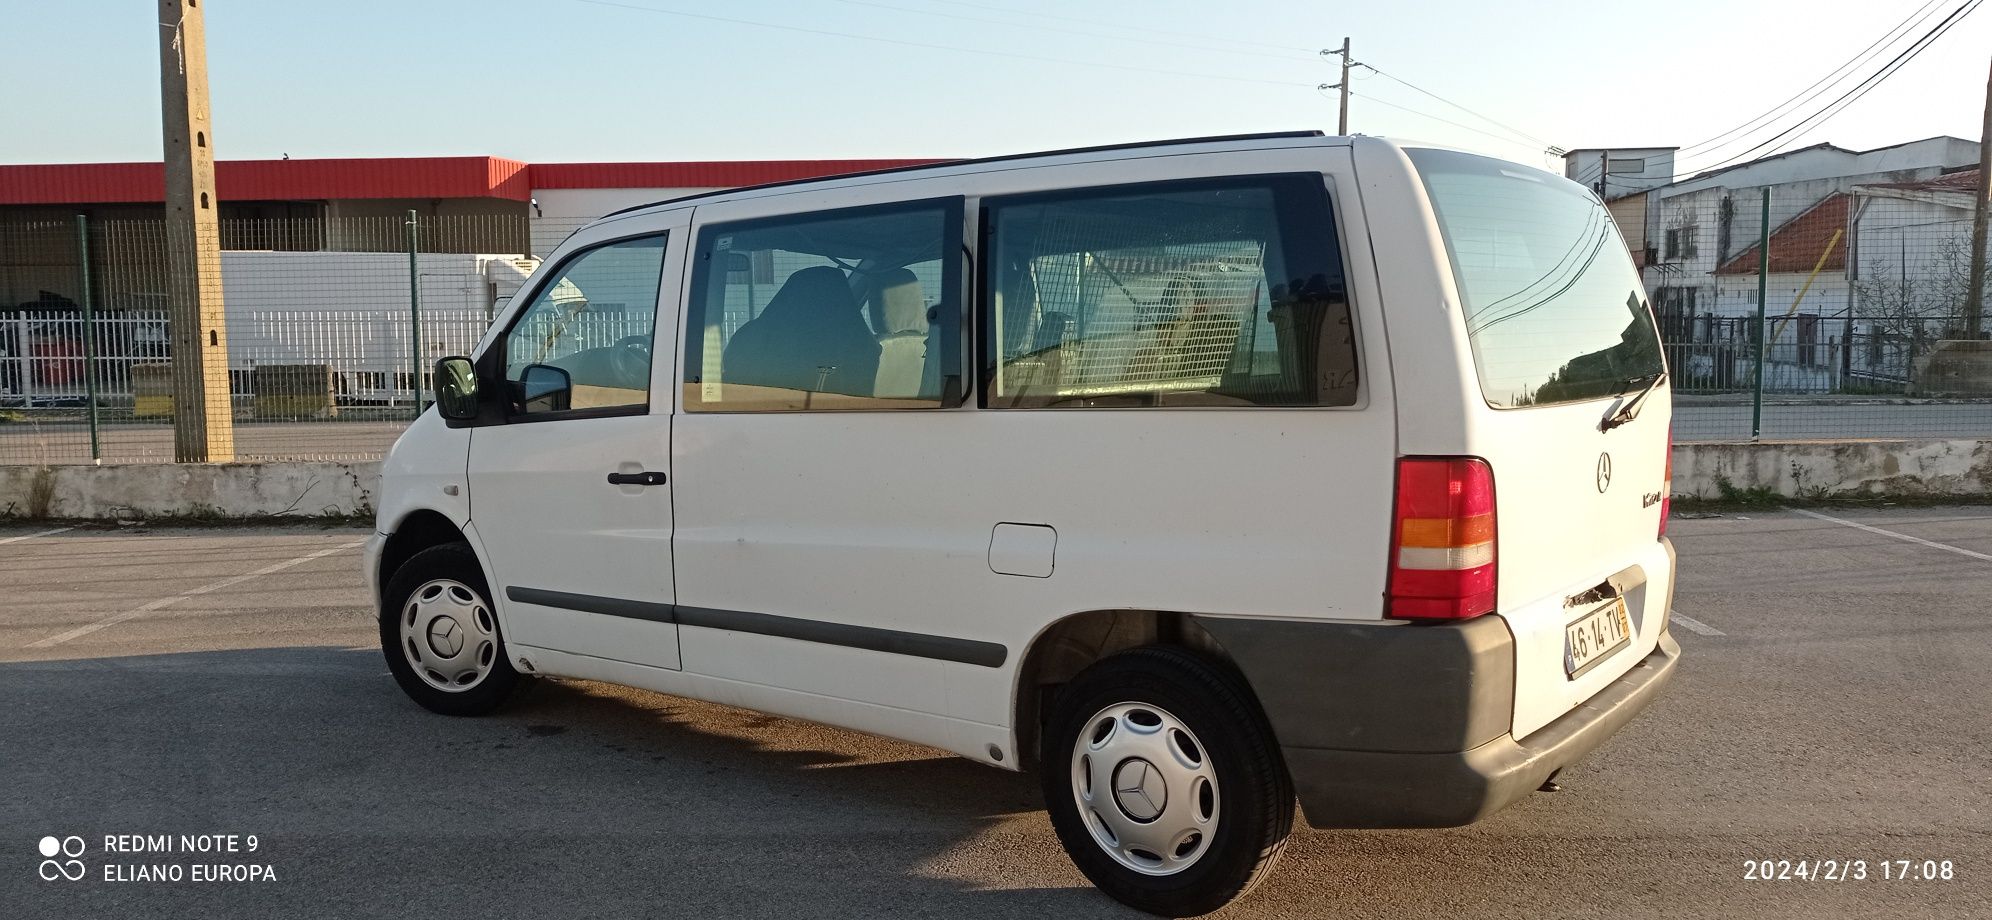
{"type": "Point", "coordinates": [415, 314]}
{"type": "Point", "coordinates": [1763, 292]}
{"type": "Point", "coordinates": [89, 336]}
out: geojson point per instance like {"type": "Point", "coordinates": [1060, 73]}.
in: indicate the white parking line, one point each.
{"type": "Point", "coordinates": [1946, 547]}
{"type": "Point", "coordinates": [115, 619]}
{"type": "Point", "coordinates": [30, 536]}
{"type": "Point", "coordinates": [1693, 625]}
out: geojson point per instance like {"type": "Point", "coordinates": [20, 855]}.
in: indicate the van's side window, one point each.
{"type": "Point", "coordinates": [584, 343]}
{"type": "Point", "coordinates": [852, 309]}
{"type": "Point", "coordinates": [1223, 292]}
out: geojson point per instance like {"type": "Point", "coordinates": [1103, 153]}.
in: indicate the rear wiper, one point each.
{"type": "Point", "coordinates": [1629, 409]}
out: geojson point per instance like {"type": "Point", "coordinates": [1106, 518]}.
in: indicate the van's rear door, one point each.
{"type": "Point", "coordinates": [1575, 422]}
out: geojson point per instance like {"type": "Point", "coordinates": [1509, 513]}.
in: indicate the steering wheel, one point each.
{"type": "Point", "coordinates": [630, 360]}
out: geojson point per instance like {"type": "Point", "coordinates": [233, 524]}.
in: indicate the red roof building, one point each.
{"type": "Point", "coordinates": [475, 204]}
{"type": "Point", "coordinates": [1798, 245]}
{"type": "Point", "coordinates": [399, 178]}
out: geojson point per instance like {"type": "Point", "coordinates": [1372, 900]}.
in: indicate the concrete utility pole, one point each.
{"type": "Point", "coordinates": [203, 414]}
{"type": "Point", "coordinates": [1974, 302]}
{"type": "Point", "coordinates": [1342, 124]}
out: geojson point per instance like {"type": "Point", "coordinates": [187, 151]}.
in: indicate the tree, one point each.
{"type": "Point", "coordinates": [1924, 303]}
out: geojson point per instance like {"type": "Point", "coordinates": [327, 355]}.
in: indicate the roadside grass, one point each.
{"type": "Point", "coordinates": [1731, 497]}
{"type": "Point", "coordinates": [200, 517]}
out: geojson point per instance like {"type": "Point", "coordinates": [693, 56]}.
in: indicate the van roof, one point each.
{"type": "Point", "coordinates": [1235, 139]}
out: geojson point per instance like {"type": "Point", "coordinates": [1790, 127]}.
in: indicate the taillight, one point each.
{"type": "Point", "coordinates": [1667, 487]}
{"type": "Point", "coordinates": [1442, 543]}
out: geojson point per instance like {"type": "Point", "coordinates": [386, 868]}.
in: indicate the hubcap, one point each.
{"type": "Point", "coordinates": [445, 636]}
{"type": "Point", "coordinates": [1145, 788]}
{"type": "Point", "coordinates": [1140, 790]}
{"type": "Point", "coordinates": [448, 635]}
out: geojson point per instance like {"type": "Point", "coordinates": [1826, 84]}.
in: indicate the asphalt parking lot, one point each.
{"type": "Point", "coordinates": [1833, 704]}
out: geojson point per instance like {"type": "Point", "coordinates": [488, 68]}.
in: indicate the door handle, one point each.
{"type": "Point", "coordinates": [636, 479]}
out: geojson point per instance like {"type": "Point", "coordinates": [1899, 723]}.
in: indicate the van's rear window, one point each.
{"type": "Point", "coordinates": [1554, 307]}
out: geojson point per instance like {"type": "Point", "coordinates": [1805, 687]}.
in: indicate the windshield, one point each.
{"type": "Point", "coordinates": [1554, 308]}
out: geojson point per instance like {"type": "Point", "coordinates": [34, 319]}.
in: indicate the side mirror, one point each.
{"type": "Point", "coordinates": [456, 388]}
{"type": "Point", "coordinates": [545, 388]}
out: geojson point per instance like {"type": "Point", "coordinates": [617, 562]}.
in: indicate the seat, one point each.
{"type": "Point", "coordinates": [810, 337]}
{"type": "Point", "coordinates": [898, 309]}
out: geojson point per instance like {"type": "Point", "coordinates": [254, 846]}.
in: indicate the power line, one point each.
{"type": "Point", "coordinates": [1066, 61]}
{"type": "Point", "coordinates": [1402, 108]}
{"type": "Point", "coordinates": [1823, 83]}
{"type": "Point", "coordinates": [1510, 128]}
{"type": "Point", "coordinates": [1835, 111]}
{"type": "Point", "coordinates": [1122, 25]}
{"type": "Point", "coordinates": [1063, 31]}
{"type": "Point", "coordinates": [1834, 76]}
{"type": "Point", "coordinates": [1851, 96]}
{"type": "Point", "coordinates": [1826, 112]}
{"type": "Point", "coordinates": [938, 47]}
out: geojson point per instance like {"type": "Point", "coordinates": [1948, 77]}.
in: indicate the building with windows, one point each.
{"type": "Point", "coordinates": [316, 256]}
{"type": "Point", "coordinates": [1622, 176]}
{"type": "Point", "coordinates": [1867, 253]}
{"type": "Point", "coordinates": [1619, 171]}
{"type": "Point", "coordinates": [476, 204]}
{"type": "Point", "coordinates": [1696, 226]}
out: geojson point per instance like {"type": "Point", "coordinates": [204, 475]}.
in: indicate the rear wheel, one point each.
{"type": "Point", "coordinates": [1164, 782]}
{"type": "Point", "coordinates": [440, 633]}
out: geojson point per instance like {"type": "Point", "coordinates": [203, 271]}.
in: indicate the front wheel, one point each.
{"type": "Point", "coordinates": [440, 634]}
{"type": "Point", "coordinates": [1164, 782]}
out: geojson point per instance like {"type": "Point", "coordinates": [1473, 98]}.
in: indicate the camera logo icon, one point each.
{"type": "Point", "coordinates": [59, 858]}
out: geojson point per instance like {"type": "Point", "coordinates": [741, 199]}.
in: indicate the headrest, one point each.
{"type": "Point", "coordinates": [813, 292]}
{"type": "Point", "coordinates": [897, 303]}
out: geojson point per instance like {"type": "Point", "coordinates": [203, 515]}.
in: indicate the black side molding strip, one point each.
{"type": "Point", "coordinates": [869, 638]}
{"type": "Point", "coordinates": [589, 603]}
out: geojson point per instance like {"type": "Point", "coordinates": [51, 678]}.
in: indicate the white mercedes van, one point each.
{"type": "Point", "coordinates": [1201, 477]}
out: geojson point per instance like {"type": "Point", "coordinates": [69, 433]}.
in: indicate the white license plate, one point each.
{"type": "Point", "coordinates": [1593, 637]}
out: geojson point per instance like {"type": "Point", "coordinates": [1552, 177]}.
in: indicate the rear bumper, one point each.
{"type": "Point", "coordinates": [1387, 726]}
{"type": "Point", "coordinates": [1378, 789]}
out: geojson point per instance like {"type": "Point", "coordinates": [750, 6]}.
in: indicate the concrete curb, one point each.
{"type": "Point", "coordinates": [137, 491]}
{"type": "Point", "coordinates": [1835, 469]}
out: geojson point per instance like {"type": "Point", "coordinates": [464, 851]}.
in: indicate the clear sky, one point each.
{"type": "Point", "coordinates": [580, 80]}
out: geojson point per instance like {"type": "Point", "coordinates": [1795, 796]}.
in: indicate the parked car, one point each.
{"type": "Point", "coordinates": [1198, 476]}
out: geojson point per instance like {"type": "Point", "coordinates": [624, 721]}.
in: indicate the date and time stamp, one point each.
{"type": "Point", "coordinates": [1849, 870]}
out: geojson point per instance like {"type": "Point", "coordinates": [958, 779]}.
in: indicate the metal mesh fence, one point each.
{"type": "Point", "coordinates": [1855, 326]}
{"type": "Point", "coordinates": [319, 319]}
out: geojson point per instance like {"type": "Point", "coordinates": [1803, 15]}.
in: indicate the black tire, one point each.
{"type": "Point", "coordinates": [457, 562]}
{"type": "Point", "coordinates": [1257, 797]}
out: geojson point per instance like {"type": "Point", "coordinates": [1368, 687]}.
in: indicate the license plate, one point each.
{"type": "Point", "coordinates": [1593, 637]}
